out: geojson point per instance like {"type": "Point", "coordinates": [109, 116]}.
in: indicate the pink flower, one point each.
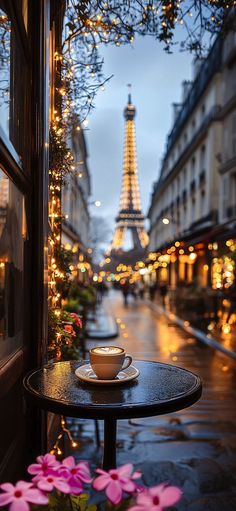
{"type": "Point", "coordinates": [76, 319]}
{"type": "Point", "coordinates": [69, 329]}
{"type": "Point", "coordinates": [20, 495]}
{"type": "Point", "coordinates": [116, 481]}
{"type": "Point", "coordinates": [45, 464]}
{"type": "Point", "coordinates": [75, 475]}
{"type": "Point", "coordinates": [157, 498]}
{"type": "Point", "coordinates": [49, 482]}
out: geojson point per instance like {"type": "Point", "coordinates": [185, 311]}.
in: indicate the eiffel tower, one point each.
{"type": "Point", "coordinates": [130, 212]}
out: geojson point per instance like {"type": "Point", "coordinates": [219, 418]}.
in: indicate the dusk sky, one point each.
{"type": "Point", "coordinates": [156, 79]}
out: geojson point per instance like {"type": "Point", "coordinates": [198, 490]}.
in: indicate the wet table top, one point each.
{"type": "Point", "coordinates": [159, 389]}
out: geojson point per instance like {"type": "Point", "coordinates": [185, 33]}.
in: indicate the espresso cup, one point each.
{"type": "Point", "coordinates": [108, 361]}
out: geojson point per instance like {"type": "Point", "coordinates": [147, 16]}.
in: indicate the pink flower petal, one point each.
{"type": "Point", "coordinates": [50, 458]}
{"type": "Point", "coordinates": [144, 499]}
{"type": "Point", "coordinates": [101, 482]}
{"type": "Point", "coordinates": [5, 498]}
{"type": "Point", "coordinates": [101, 471]}
{"type": "Point", "coordinates": [156, 490]}
{"type": "Point", "coordinates": [34, 468]}
{"type": "Point", "coordinates": [169, 495]}
{"type": "Point", "coordinates": [129, 486]}
{"type": "Point", "coordinates": [69, 462]}
{"type": "Point", "coordinates": [75, 487]}
{"type": "Point", "coordinates": [84, 474]}
{"type": "Point", "coordinates": [7, 487]}
{"type": "Point", "coordinates": [137, 508]}
{"type": "Point", "coordinates": [125, 470]}
{"type": "Point", "coordinates": [23, 485]}
{"type": "Point", "coordinates": [114, 492]}
{"type": "Point", "coordinates": [40, 459]}
{"type": "Point", "coordinates": [137, 474]}
{"type": "Point", "coordinates": [44, 485]}
{"type": "Point", "coordinates": [19, 505]}
{"type": "Point", "coordinates": [35, 496]}
{"type": "Point", "coordinates": [62, 486]}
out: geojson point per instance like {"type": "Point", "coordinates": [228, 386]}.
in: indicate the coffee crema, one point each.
{"type": "Point", "coordinates": [107, 350]}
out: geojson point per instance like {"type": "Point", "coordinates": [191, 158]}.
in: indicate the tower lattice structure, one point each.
{"type": "Point", "coordinates": [130, 211]}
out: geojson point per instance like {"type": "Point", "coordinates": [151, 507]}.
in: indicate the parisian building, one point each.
{"type": "Point", "coordinates": [75, 204]}
{"type": "Point", "coordinates": [192, 212]}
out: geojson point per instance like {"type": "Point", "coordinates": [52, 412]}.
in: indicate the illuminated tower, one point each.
{"type": "Point", "coordinates": [130, 212]}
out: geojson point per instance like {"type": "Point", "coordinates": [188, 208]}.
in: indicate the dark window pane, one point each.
{"type": "Point", "coordinates": [12, 231]}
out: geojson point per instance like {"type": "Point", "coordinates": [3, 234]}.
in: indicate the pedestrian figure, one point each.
{"type": "Point", "coordinates": [140, 286]}
{"type": "Point", "coordinates": [163, 293]}
{"type": "Point", "coordinates": [134, 291]}
{"type": "Point", "coordinates": [125, 291]}
{"type": "Point", "coordinates": [152, 291]}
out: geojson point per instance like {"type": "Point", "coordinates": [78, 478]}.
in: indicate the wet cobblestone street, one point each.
{"type": "Point", "coordinates": [194, 448]}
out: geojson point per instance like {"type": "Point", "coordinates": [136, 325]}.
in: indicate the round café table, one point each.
{"type": "Point", "coordinates": [159, 389]}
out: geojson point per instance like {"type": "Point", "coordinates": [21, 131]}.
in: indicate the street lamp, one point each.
{"type": "Point", "coordinates": [166, 221]}
{"type": "Point", "coordinates": [96, 203]}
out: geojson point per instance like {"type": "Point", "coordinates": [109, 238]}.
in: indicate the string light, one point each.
{"type": "Point", "coordinates": [64, 432]}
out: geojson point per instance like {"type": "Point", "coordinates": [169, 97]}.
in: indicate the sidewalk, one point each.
{"type": "Point", "coordinates": [212, 336]}
{"type": "Point", "coordinates": [101, 325]}
{"type": "Point", "coordinates": [194, 448]}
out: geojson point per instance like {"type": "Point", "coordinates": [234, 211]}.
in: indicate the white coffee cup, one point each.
{"type": "Point", "coordinates": [108, 361]}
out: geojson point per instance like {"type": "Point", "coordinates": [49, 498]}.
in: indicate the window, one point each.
{"type": "Point", "coordinates": [193, 211]}
{"type": "Point", "coordinates": [5, 53]}
{"type": "Point", "coordinates": [203, 158]}
{"type": "Point", "coordinates": [184, 216]}
{"type": "Point", "coordinates": [184, 177]}
{"type": "Point", "coordinates": [202, 202]}
{"type": "Point", "coordinates": [193, 165]}
{"type": "Point", "coordinates": [12, 233]}
{"type": "Point", "coordinates": [14, 85]}
{"type": "Point", "coordinates": [193, 126]}
{"type": "Point", "coordinates": [225, 195]}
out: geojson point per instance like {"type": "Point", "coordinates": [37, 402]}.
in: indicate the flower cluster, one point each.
{"type": "Point", "coordinates": [66, 479]}
{"type": "Point", "coordinates": [65, 333]}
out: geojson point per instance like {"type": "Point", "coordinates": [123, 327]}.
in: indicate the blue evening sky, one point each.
{"type": "Point", "coordinates": [156, 79]}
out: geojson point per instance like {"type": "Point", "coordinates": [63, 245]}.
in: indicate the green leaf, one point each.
{"type": "Point", "coordinates": [92, 507]}
{"type": "Point", "coordinates": [79, 502]}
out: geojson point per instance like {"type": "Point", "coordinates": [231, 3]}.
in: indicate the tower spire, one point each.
{"type": "Point", "coordinates": [129, 85]}
{"type": "Point", "coordinates": [130, 212]}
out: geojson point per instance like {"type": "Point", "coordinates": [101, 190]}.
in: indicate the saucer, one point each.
{"type": "Point", "coordinates": [85, 373]}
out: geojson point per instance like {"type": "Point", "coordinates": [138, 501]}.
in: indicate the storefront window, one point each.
{"type": "Point", "coordinates": [12, 232]}
{"type": "Point", "coordinates": [5, 51]}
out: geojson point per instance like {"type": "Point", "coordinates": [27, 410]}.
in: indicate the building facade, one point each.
{"type": "Point", "coordinates": [75, 207]}
{"type": "Point", "coordinates": [75, 195]}
{"type": "Point", "coordinates": [193, 197]}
